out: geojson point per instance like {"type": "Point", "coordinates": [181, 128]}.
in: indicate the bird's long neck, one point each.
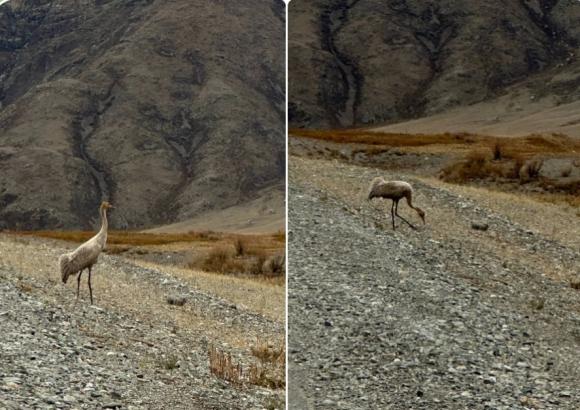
{"type": "Point", "coordinates": [104, 227]}
{"type": "Point", "coordinates": [409, 198]}
{"type": "Point", "coordinates": [419, 211]}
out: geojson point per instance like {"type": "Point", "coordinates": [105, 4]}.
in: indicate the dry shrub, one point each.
{"type": "Point", "coordinates": [270, 371]}
{"type": "Point", "coordinates": [222, 366]}
{"type": "Point", "coordinates": [24, 287]}
{"type": "Point", "coordinates": [277, 265]}
{"type": "Point", "coordinates": [280, 236]}
{"type": "Point", "coordinates": [117, 250]}
{"type": "Point", "coordinates": [262, 376]}
{"type": "Point", "coordinates": [475, 166]}
{"type": "Point", "coordinates": [169, 362]}
{"type": "Point", "coordinates": [497, 151]}
{"type": "Point", "coordinates": [537, 303]}
{"type": "Point", "coordinates": [220, 260]}
{"type": "Point", "coordinates": [257, 266]}
{"type": "Point", "coordinates": [534, 168]}
{"type": "Point", "coordinates": [240, 246]}
{"type": "Point", "coordinates": [268, 353]}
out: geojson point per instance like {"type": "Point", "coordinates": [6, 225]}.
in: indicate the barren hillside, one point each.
{"type": "Point", "coordinates": [447, 316]}
{"type": "Point", "coordinates": [368, 62]}
{"type": "Point", "coordinates": [168, 109]}
{"type": "Point", "coordinates": [137, 347]}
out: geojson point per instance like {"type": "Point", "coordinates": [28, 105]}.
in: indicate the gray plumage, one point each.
{"type": "Point", "coordinates": [395, 190]}
{"type": "Point", "coordinates": [86, 255]}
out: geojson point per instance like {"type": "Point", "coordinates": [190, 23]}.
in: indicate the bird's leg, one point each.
{"type": "Point", "coordinates": [393, 214]}
{"type": "Point", "coordinates": [90, 288]}
{"type": "Point", "coordinates": [404, 220]}
{"type": "Point", "coordinates": [79, 283]}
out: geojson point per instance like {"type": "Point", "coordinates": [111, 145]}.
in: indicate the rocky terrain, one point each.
{"type": "Point", "coordinates": [167, 109]}
{"type": "Point", "coordinates": [132, 349]}
{"type": "Point", "coordinates": [478, 309]}
{"type": "Point", "coordinates": [373, 62]}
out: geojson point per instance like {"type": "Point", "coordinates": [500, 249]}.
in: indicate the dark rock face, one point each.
{"type": "Point", "coordinates": [357, 62]}
{"type": "Point", "coordinates": [166, 109]}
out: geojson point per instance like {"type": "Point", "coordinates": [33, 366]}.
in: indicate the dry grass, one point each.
{"type": "Point", "coordinates": [221, 365]}
{"type": "Point", "coordinates": [268, 372]}
{"type": "Point", "coordinates": [169, 362]}
{"type": "Point", "coordinates": [227, 260]}
{"type": "Point", "coordinates": [262, 295]}
{"type": "Point", "coordinates": [127, 237]}
{"type": "Point", "coordinates": [269, 353]}
{"type": "Point", "coordinates": [527, 146]}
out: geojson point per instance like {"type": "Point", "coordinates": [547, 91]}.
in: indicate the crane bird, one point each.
{"type": "Point", "coordinates": [86, 255]}
{"type": "Point", "coordinates": [395, 190]}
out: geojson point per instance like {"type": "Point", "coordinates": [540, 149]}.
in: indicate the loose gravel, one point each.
{"type": "Point", "coordinates": [446, 317]}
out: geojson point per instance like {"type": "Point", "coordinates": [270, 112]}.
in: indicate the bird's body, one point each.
{"type": "Point", "coordinates": [86, 255]}
{"type": "Point", "coordinates": [394, 190]}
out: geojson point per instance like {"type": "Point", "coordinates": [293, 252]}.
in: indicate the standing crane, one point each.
{"type": "Point", "coordinates": [86, 255]}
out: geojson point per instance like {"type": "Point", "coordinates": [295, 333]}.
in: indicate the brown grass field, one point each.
{"type": "Point", "coordinates": [527, 146]}
{"type": "Point", "coordinates": [507, 163]}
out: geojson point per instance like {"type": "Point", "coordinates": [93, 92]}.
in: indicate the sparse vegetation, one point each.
{"type": "Point", "coordinates": [128, 238]}
{"type": "Point", "coordinates": [240, 246]}
{"type": "Point", "coordinates": [221, 365]}
{"type": "Point", "coordinates": [169, 362]}
{"type": "Point", "coordinates": [527, 146]}
{"type": "Point", "coordinates": [249, 255]}
{"type": "Point", "coordinates": [537, 303]}
{"type": "Point", "coordinates": [270, 370]}
{"type": "Point", "coordinates": [497, 151]}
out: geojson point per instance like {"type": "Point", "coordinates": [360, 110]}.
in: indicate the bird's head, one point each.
{"type": "Point", "coordinates": [106, 205]}
{"type": "Point", "coordinates": [421, 214]}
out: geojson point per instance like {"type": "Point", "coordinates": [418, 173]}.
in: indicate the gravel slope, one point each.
{"type": "Point", "coordinates": [118, 353]}
{"type": "Point", "coordinates": [446, 317]}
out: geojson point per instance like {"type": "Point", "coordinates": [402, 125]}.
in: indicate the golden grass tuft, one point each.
{"type": "Point", "coordinates": [221, 365]}
{"type": "Point", "coordinates": [270, 370]}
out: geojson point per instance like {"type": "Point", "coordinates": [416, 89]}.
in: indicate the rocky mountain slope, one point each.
{"type": "Point", "coordinates": [365, 62]}
{"type": "Point", "coordinates": [167, 109]}
{"type": "Point", "coordinates": [131, 350]}
{"type": "Point", "coordinates": [443, 317]}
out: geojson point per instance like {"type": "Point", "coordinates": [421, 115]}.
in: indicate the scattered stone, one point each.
{"type": "Point", "coordinates": [480, 226]}
{"type": "Point", "coordinates": [176, 300]}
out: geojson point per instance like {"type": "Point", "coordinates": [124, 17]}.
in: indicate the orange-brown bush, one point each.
{"type": "Point", "coordinates": [476, 166]}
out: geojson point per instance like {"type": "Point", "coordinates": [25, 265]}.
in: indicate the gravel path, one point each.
{"type": "Point", "coordinates": [131, 350]}
{"type": "Point", "coordinates": [446, 317]}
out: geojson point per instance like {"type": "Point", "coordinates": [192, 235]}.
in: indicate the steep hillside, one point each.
{"type": "Point", "coordinates": [167, 108]}
{"type": "Point", "coordinates": [365, 62]}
